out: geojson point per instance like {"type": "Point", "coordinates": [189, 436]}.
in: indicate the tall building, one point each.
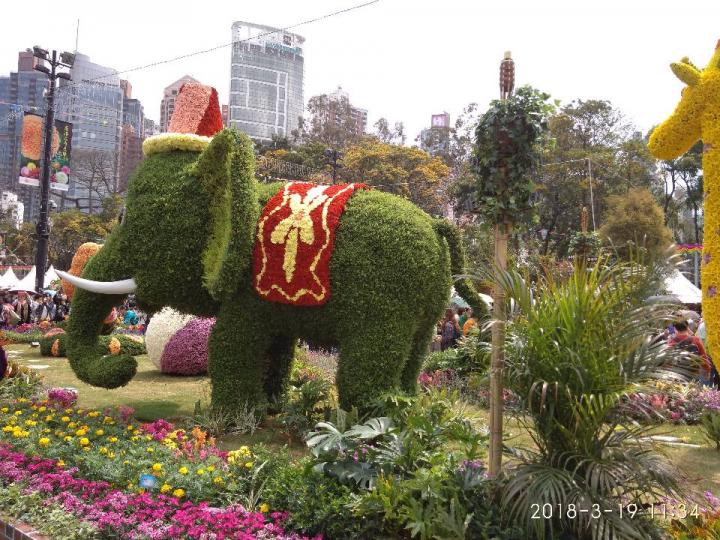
{"type": "Point", "coordinates": [266, 80]}
{"type": "Point", "coordinates": [167, 105]}
{"type": "Point", "coordinates": [12, 208]}
{"type": "Point", "coordinates": [359, 115]}
{"type": "Point", "coordinates": [93, 103]}
{"type": "Point", "coordinates": [20, 92]}
{"type": "Point", "coordinates": [132, 136]}
{"type": "Point", "coordinates": [150, 127]}
{"type": "Point", "coordinates": [435, 140]}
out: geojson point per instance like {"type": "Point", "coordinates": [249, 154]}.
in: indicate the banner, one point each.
{"type": "Point", "coordinates": [31, 149]}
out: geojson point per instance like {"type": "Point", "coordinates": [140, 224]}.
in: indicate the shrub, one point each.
{"type": "Point", "coordinates": [56, 345]}
{"type": "Point", "coordinates": [573, 349]}
{"type": "Point", "coordinates": [20, 382]}
{"type": "Point", "coordinates": [711, 425]}
{"type": "Point", "coordinates": [309, 399]}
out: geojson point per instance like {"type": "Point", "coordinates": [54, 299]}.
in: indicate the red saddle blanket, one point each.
{"type": "Point", "coordinates": [295, 240]}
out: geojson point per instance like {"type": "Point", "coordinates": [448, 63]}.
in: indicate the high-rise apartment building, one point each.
{"type": "Point", "coordinates": [167, 105]}
{"type": "Point", "coordinates": [20, 92]}
{"type": "Point", "coordinates": [93, 103]}
{"type": "Point", "coordinates": [435, 140]}
{"type": "Point", "coordinates": [359, 115]}
{"type": "Point", "coordinates": [132, 136]}
{"type": "Point", "coordinates": [266, 80]}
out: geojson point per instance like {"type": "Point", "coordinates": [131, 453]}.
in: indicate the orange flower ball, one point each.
{"type": "Point", "coordinates": [80, 259]}
{"type": "Point", "coordinates": [114, 346]}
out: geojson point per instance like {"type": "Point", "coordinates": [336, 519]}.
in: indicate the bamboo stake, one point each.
{"type": "Point", "coordinates": [502, 231]}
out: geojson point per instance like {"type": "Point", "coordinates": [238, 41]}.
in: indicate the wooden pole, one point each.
{"type": "Point", "coordinates": [497, 362]}
{"type": "Point", "coordinates": [497, 359]}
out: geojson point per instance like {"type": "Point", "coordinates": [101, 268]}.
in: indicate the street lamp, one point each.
{"type": "Point", "coordinates": [333, 157]}
{"type": "Point", "coordinates": [43, 225]}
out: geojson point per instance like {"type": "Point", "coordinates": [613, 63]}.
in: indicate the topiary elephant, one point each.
{"type": "Point", "coordinates": [186, 241]}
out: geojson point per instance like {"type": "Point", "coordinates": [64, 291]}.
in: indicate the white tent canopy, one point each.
{"type": "Point", "coordinates": [679, 289]}
{"type": "Point", "coordinates": [27, 283]}
{"type": "Point", "coordinates": [50, 276]}
{"type": "Point", "coordinates": [8, 279]}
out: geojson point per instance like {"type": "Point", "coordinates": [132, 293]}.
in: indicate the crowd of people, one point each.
{"type": "Point", "coordinates": [690, 335]}
{"type": "Point", "coordinates": [21, 307]}
{"type": "Point", "coordinates": [457, 323]}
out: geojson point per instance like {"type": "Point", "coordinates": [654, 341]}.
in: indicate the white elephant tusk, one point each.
{"type": "Point", "coordinates": [124, 286]}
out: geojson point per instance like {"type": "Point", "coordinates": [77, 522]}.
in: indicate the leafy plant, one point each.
{"type": "Point", "coordinates": [573, 349]}
{"type": "Point", "coordinates": [505, 154]}
{"type": "Point", "coordinates": [710, 422]}
{"type": "Point", "coordinates": [309, 400]}
{"type": "Point", "coordinates": [19, 382]}
{"type": "Point", "coordinates": [218, 421]}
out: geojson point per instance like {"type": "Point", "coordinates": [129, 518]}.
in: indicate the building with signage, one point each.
{"type": "Point", "coordinates": [266, 80]}
{"type": "Point", "coordinates": [20, 92]}
{"type": "Point", "coordinates": [435, 140]}
{"type": "Point", "coordinates": [93, 102]}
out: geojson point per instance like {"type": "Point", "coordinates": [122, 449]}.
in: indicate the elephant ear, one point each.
{"type": "Point", "coordinates": [226, 169]}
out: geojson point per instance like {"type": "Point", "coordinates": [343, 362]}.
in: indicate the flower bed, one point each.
{"type": "Point", "coordinates": [131, 481]}
{"type": "Point", "coordinates": [671, 402]}
{"type": "Point", "coordinates": [133, 515]}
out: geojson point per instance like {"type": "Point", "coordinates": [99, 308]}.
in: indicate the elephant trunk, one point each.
{"type": "Point", "coordinates": [88, 311]}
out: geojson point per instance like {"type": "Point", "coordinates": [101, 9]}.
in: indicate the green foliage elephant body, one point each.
{"type": "Point", "coordinates": [187, 240]}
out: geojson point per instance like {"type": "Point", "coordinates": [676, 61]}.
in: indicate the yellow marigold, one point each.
{"type": "Point", "coordinates": [31, 423]}
{"type": "Point", "coordinates": [157, 467]}
{"type": "Point", "coordinates": [249, 465]}
{"type": "Point", "coordinates": [67, 438]}
{"type": "Point", "coordinates": [84, 441]}
{"type": "Point", "coordinates": [165, 488]}
{"type": "Point", "coordinates": [81, 432]}
{"type": "Point", "coordinates": [49, 418]}
{"type": "Point", "coordinates": [99, 432]}
{"type": "Point", "coordinates": [183, 470]}
{"type": "Point", "coordinates": [200, 472]}
{"type": "Point", "coordinates": [112, 439]}
{"type": "Point", "coordinates": [179, 493]}
{"type": "Point", "coordinates": [93, 414]}
{"type": "Point", "coordinates": [60, 463]}
{"type": "Point", "coordinates": [72, 425]}
{"type": "Point", "coordinates": [211, 468]}
{"type": "Point", "coordinates": [103, 450]}
{"type": "Point", "coordinates": [218, 480]}
{"type": "Point", "coordinates": [114, 346]}
{"type": "Point", "coordinates": [264, 508]}
{"type": "Point", "coordinates": [44, 441]}
{"type": "Point", "coordinates": [42, 409]}
{"type": "Point", "coordinates": [4, 409]}
{"type": "Point", "coordinates": [7, 429]}
{"type": "Point", "coordinates": [150, 449]}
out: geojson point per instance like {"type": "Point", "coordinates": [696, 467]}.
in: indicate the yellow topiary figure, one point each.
{"type": "Point", "coordinates": [697, 117]}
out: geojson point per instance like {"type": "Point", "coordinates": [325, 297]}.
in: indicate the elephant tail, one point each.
{"type": "Point", "coordinates": [463, 285]}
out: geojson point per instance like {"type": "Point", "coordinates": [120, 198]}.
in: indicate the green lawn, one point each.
{"type": "Point", "coordinates": [154, 395]}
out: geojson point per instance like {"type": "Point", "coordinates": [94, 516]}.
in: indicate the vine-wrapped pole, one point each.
{"type": "Point", "coordinates": [502, 231]}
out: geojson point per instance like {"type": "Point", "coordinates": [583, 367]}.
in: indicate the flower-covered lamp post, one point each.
{"type": "Point", "coordinates": [503, 158]}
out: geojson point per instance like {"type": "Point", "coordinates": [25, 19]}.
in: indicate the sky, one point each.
{"type": "Point", "coordinates": [400, 59]}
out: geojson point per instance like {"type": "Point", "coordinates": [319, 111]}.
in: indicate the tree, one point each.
{"type": "Point", "coordinates": [408, 172]}
{"type": "Point", "coordinates": [72, 228]}
{"type": "Point", "coordinates": [634, 220]}
{"type": "Point", "coordinates": [590, 141]}
{"type": "Point", "coordinates": [331, 122]}
{"type": "Point", "coordinates": [388, 135]}
{"type": "Point", "coordinates": [95, 171]}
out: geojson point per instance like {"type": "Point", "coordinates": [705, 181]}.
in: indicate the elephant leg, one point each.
{"type": "Point", "coordinates": [372, 358]}
{"type": "Point", "coordinates": [237, 346]}
{"type": "Point", "coordinates": [279, 363]}
{"type": "Point", "coordinates": [420, 347]}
